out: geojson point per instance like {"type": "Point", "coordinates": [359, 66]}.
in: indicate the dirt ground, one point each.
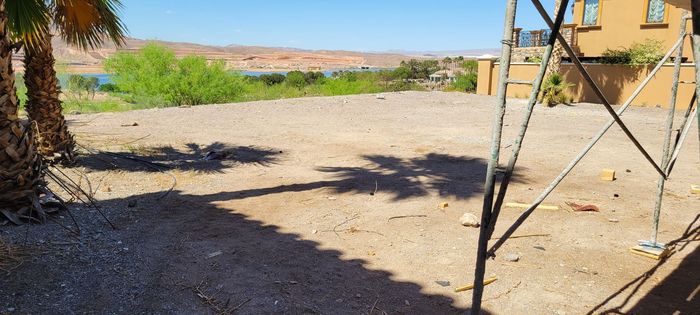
{"type": "Point", "coordinates": [297, 215]}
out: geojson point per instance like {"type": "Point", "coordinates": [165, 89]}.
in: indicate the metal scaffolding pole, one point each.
{"type": "Point", "coordinates": [506, 50]}
{"type": "Point", "coordinates": [666, 155]}
{"type": "Point", "coordinates": [695, 40]}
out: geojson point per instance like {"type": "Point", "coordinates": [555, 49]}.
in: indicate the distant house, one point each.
{"type": "Point", "coordinates": [444, 76]}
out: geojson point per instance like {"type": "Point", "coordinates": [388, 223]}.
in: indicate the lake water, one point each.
{"type": "Point", "coordinates": [104, 78]}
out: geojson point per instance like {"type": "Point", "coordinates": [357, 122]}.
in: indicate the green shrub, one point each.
{"type": "Point", "coordinates": [155, 72]}
{"type": "Point", "coordinates": [79, 84]}
{"type": "Point", "coordinates": [314, 77]}
{"type": "Point", "coordinates": [647, 52]}
{"type": "Point", "coordinates": [108, 87]}
{"type": "Point", "coordinates": [272, 79]}
{"type": "Point", "coordinates": [465, 82]}
{"type": "Point", "coordinates": [296, 79]}
{"type": "Point", "coordinates": [554, 90]}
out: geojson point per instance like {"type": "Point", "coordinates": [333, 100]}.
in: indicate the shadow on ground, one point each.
{"type": "Point", "coordinates": [278, 272]}
{"type": "Point", "coordinates": [184, 254]}
{"type": "Point", "coordinates": [447, 175]}
{"type": "Point", "coordinates": [210, 158]}
{"type": "Point", "coordinates": [679, 293]}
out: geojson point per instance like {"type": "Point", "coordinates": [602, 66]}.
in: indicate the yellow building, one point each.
{"type": "Point", "coordinates": [611, 24]}
{"type": "Point", "coordinates": [599, 25]}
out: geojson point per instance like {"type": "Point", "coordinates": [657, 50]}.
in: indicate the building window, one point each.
{"type": "Point", "coordinates": [591, 10]}
{"type": "Point", "coordinates": [656, 11]}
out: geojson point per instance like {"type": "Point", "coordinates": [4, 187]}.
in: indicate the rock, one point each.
{"type": "Point", "coordinates": [512, 257]}
{"type": "Point", "coordinates": [381, 96]}
{"type": "Point", "coordinates": [314, 231]}
{"type": "Point", "coordinates": [443, 205]}
{"type": "Point", "coordinates": [443, 283]}
{"type": "Point", "coordinates": [613, 220]}
{"type": "Point", "coordinates": [75, 112]}
{"type": "Point", "coordinates": [469, 220]}
{"type": "Point", "coordinates": [407, 303]}
{"type": "Point", "coordinates": [132, 203]}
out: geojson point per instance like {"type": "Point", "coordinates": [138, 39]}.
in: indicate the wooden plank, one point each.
{"type": "Point", "coordinates": [526, 206]}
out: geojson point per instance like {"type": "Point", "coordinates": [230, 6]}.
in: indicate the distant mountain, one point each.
{"type": "Point", "coordinates": [470, 53]}
{"type": "Point", "coordinates": [255, 58]}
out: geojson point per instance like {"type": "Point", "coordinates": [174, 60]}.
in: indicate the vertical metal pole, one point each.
{"type": "Point", "coordinates": [518, 143]}
{"type": "Point", "coordinates": [695, 12]}
{"type": "Point", "coordinates": [667, 136]}
{"type": "Point", "coordinates": [490, 181]}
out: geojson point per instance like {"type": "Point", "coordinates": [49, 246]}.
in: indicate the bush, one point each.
{"type": "Point", "coordinates": [645, 53]}
{"type": "Point", "coordinates": [465, 82]}
{"type": "Point", "coordinates": [108, 87]}
{"type": "Point", "coordinates": [272, 79]}
{"type": "Point", "coordinates": [155, 73]}
{"type": "Point", "coordinates": [314, 77]}
{"type": "Point", "coordinates": [79, 84]}
{"type": "Point", "coordinates": [296, 79]}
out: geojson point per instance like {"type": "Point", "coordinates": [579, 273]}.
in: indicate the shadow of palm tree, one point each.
{"type": "Point", "coordinates": [210, 158]}
{"type": "Point", "coordinates": [446, 175]}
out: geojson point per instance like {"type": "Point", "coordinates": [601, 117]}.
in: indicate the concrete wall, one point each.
{"type": "Point", "coordinates": [617, 82]}
{"type": "Point", "coordinates": [623, 22]}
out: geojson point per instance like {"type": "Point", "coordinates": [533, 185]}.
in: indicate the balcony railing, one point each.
{"type": "Point", "coordinates": [539, 38]}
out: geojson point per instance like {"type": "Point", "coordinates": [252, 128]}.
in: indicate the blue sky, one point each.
{"type": "Point", "coordinates": [362, 25]}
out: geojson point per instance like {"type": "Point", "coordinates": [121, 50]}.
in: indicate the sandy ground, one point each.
{"type": "Point", "coordinates": [296, 218]}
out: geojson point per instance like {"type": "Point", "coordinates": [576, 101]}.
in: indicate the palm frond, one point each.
{"type": "Point", "coordinates": [28, 21]}
{"type": "Point", "coordinates": [86, 23]}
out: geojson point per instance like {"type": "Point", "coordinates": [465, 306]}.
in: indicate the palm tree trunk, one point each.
{"type": "Point", "coordinates": [20, 166]}
{"type": "Point", "coordinates": [43, 103]}
{"type": "Point", "coordinates": [554, 65]}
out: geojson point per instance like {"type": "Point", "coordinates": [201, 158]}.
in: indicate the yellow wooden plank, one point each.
{"type": "Point", "coordinates": [471, 286]}
{"type": "Point", "coordinates": [526, 205]}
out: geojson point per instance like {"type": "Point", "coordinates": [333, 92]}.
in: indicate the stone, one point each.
{"type": "Point", "coordinates": [607, 175]}
{"type": "Point", "coordinates": [469, 220]}
{"type": "Point", "coordinates": [443, 283]}
{"type": "Point", "coordinates": [381, 96]}
{"type": "Point", "coordinates": [443, 205]}
{"type": "Point", "coordinates": [512, 257]}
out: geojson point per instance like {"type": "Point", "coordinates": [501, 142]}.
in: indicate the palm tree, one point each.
{"type": "Point", "coordinates": [20, 165]}
{"type": "Point", "coordinates": [82, 23]}
{"type": "Point", "coordinates": [557, 51]}
{"type": "Point", "coordinates": [446, 63]}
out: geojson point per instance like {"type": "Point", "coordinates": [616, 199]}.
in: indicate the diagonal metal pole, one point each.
{"type": "Point", "coordinates": [587, 77]}
{"type": "Point", "coordinates": [684, 129]}
{"type": "Point", "coordinates": [490, 181]}
{"type": "Point", "coordinates": [666, 155]}
{"type": "Point", "coordinates": [518, 143]}
{"type": "Point", "coordinates": [584, 152]}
